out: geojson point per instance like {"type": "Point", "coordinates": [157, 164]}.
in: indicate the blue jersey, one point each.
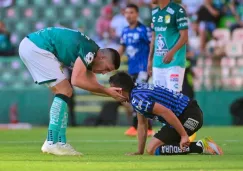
{"type": "Point", "coordinates": [136, 41]}
{"type": "Point", "coordinates": [144, 96]}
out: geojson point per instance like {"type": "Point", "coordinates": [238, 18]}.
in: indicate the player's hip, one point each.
{"type": "Point", "coordinates": [28, 47]}
{"type": "Point", "coordinates": [192, 117]}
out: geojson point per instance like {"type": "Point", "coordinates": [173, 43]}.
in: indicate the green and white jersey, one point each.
{"type": "Point", "coordinates": [66, 45]}
{"type": "Point", "coordinates": [167, 23]}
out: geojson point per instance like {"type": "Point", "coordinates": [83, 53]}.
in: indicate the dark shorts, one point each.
{"type": "Point", "coordinates": [191, 119]}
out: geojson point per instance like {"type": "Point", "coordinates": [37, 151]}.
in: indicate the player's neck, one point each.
{"type": "Point", "coordinates": [163, 4]}
{"type": "Point", "coordinates": [133, 25]}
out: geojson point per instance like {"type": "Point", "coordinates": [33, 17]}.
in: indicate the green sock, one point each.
{"type": "Point", "coordinates": [62, 133]}
{"type": "Point", "coordinates": [58, 108]}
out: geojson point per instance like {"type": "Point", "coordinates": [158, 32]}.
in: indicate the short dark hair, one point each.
{"type": "Point", "coordinates": [115, 57]}
{"type": "Point", "coordinates": [122, 80]}
{"type": "Point", "coordinates": [133, 6]}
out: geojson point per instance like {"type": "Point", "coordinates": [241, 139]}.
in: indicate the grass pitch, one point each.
{"type": "Point", "coordinates": [104, 149]}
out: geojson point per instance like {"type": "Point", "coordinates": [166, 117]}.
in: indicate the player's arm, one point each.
{"type": "Point", "coordinates": [182, 41]}
{"type": "Point", "coordinates": [171, 118]}
{"type": "Point", "coordinates": [151, 54]}
{"type": "Point", "coordinates": [121, 50]}
{"type": "Point", "coordinates": [85, 79]}
{"type": "Point", "coordinates": [142, 133]}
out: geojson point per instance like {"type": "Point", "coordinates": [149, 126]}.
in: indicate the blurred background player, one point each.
{"type": "Point", "coordinates": [44, 53]}
{"type": "Point", "coordinates": [182, 116]}
{"type": "Point", "coordinates": [135, 41]}
{"type": "Point", "coordinates": [167, 58]}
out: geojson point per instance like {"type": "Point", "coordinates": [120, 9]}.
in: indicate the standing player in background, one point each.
{"type": "Point", "coordinates": [44, 53]}
{"type": "Point", "coordinates": [135, 41]}
{"type": "Point", "coordinates": [167, 57]}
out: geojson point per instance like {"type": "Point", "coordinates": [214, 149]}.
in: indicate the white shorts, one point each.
{"type": "Point", "coordinates": [42, 65]}
{"type": "Point", "coordinates": [171, 78]}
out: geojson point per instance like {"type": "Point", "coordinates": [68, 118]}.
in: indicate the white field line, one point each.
{"type": "Point", "coordinates": [96, 141]}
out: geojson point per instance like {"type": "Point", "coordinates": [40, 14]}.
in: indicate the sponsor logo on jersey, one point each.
{"type": "Point", "coordinates": [160, 19]}
{"type": "Point", "coordinates": [183, 24]}
{"type": "Point", "coordinates": [167, 19]}
{"type": "Point", "coordinates": [131, 51]}
{"type": "Point", "coordinates": [170, 10]}
{"type": "Point", "coordinates": [161, 47]}
{"type": "Point", "coordinates": [89, 58]}
{"type": "Point", "coordinates": [174, 77]}
{"type": "Point", "coordinates": [182, 19]}
{"type": "Point", "coordinates": [181, 10]}
{"type": "Point", "coordinates": [160, 28]}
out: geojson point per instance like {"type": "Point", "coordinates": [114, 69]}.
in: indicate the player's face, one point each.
{"type": "Point", "coordinates": [102, 66]}
{"type": "Point", "coordinates": [131, 15]}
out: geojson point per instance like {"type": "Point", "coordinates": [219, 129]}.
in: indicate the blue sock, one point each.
{"type": "Point", "coordinates": [58, 108]}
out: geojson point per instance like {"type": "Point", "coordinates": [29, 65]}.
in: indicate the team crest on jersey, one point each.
{"type": "Point", "coordinates": [161, 48]}
{"type": "Point", "coordinates": [167, 19]}
{"type": "Point", "coordinates": [135, 36]}
{"type": "Point", "coordinates": [89, 58]}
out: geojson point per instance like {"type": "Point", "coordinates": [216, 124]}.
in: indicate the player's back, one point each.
{"type": "Point", "coordinates": [144, 96]}
{"type": "Point", "coordinates": [66, 44]}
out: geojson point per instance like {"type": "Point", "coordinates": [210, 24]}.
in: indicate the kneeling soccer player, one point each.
{"type": "Point", "coordinates": [182, 116]}
{"type": "Point", "coordinates": [44, 53]}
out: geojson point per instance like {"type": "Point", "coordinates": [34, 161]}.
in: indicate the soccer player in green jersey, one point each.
{"type": "Point", "coordinates": [167, 59]}
{"type": "Point", "coordinates": [44, 53]}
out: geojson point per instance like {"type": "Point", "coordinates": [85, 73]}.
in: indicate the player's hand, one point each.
{"type": "Point", "coordinates": [149, 68]}
{"type": "Point", "coordinates": [185, 142]}
{"type": "Point", "coordinates": [134, 154]}
{"type": "Point", "coordinates": [168, 57]}
{"type": "Point", "coordinates": [115, 93]}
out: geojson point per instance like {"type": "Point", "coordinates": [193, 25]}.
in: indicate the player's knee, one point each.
{"type": "Point", "coordinates": [69, 92]}
{"type": "Point", "coordinates": [150, 150]}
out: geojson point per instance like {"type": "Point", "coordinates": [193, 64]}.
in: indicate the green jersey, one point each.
{"type": "Point", "coordinates": [66, 44]}
{"type": "Point", "coordinates": [167, 23]}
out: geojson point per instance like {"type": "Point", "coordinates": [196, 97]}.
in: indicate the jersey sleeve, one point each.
{"type": "Point", "coordinates": [181, 19]}
{"type": "Point", "coordinates": [142, 103]}
{"type": "Point", "coordinates": [87, 52]}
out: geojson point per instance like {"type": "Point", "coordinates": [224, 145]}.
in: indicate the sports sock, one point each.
{"type": "Point", "coordinates": [62, 133]}
{"type": "Point", "coordinates": [174, 149]}
{"type": "Point", "coordinates": [58, 108]}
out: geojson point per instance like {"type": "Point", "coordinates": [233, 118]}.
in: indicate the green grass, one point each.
{"type": "Point", "coordinates": [104, 149]}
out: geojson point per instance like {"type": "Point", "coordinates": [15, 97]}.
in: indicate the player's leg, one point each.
{"type": "Point", "coordinates": [166, 142]}
{"type": "Point", "coordinates": [63, 93]}
{"type": "Point", "coordinates": [174, 81]}
{"type": "Point", "coordinates": [159, 76]}
{"type": "Point", "coordinates": [45, 68]}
